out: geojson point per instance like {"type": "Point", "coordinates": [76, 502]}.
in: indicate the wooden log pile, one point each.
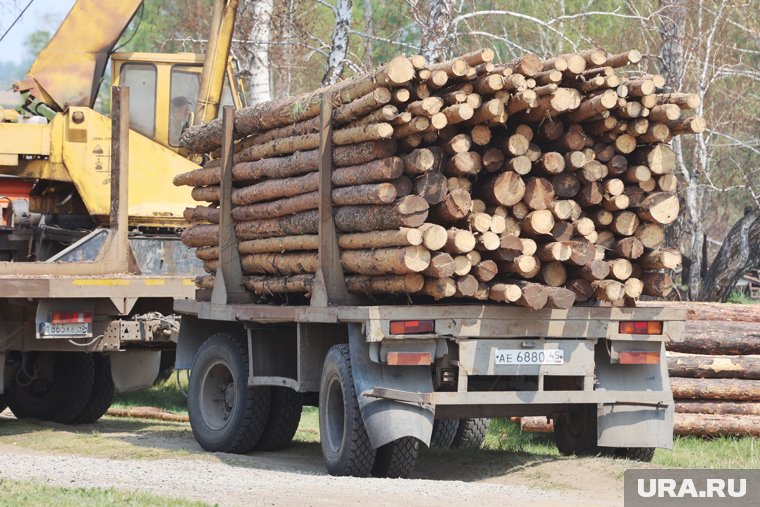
{"type": "Point", "coordinates": [715, 371]}
{"type": "Point", "coordinates": [531, 182]}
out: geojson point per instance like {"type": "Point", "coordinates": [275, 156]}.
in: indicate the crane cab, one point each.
{"type": "Point", "coordinates": [164, 92]}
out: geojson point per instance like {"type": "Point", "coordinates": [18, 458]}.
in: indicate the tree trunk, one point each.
{"type": "Point", "coordinates": [718, 407]}
{"type": "Point", "coordinates": [436, 29]}
{"type": "Point", "coordinates": [260, 89]}
{"type": "Point", "coordinates": [336, 59]}
{"type": "Point", "coordinates": [739, 253]}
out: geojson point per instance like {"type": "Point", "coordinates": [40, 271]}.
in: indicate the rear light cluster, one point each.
{"type": "Point", "coordinates": [70, 317]}
{"type": "Point", "coordinates": [412, 327]}
{"type": "Point", "coordinates": [633, 357]}
{"type": "Point", "coordinates": [640, 327]}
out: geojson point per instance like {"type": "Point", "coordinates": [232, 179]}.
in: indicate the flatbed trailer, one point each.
{"type": "Point", "coordinates": [387, 378]}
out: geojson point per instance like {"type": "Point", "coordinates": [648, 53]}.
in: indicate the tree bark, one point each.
{"type": "Point", "coordinates": [718, 407]}
{"type": "Point", "coordinates": [719, 337]}
{"type": "Point", "coordinates": [739, 253]}
{"type": "Point", "coordinates": [715, 389]}
{"type": "Point", "coordinates": [258, 65]}
{"type": "Point", "coordinates": [706, 425]}
{"type": "Point", "coordinates": [711, 366]}
{"type": "Point", "coordinates": [336, 59]}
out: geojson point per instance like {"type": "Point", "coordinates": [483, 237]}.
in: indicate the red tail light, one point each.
{"type": "Point", "coordinates": [633, 357]}
{"type": "Point", "coordinates": [70, 317]}
{"type": "Point", "coordinates": [640, 327]}
{"type": "Point", "coordinates": [412, 326]}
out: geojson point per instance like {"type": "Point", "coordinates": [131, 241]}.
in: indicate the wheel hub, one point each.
{"type": "Point", "coordinates": [217, 400]}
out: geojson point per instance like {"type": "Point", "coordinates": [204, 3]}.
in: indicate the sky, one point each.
{"type": "Point", "coordinates": [41, 15]}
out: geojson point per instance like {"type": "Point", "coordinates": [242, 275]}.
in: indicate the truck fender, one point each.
{"type": "Point", "coordinates": [388, 420]}
{"type": "Point", "coordinates": [134, 369]}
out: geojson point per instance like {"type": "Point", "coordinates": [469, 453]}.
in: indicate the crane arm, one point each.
{"type": "Point", "coordinates": [68, 71]}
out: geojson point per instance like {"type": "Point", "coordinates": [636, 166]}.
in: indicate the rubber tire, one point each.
{"type": "Point", "coordinates": [102, 391]}
{"type": "Point", "coordinates": [3, 405]}
{"type": "Point", "coordinates": [247, 420]}
{"type": "Point", "coordinates": [397, 459]}
{"type": "Point", "coordinates": [73, 378]}
{"type": "Point", "coordinates": [643, 454]}
{"type": "Point", "coordinates": [471, 433]}
{"type": "Point", "coordinates": [354, 454]}
{"type": "Point", "coordinates": [284, 417]}
{"type": "Point", "coordinates": [577, 437]}
{"type": "Point", "coordinates": [444, 432]}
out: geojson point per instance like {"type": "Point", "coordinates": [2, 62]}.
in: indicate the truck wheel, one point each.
{"type": "Point", "coordinates": [644, 454]}
{"type": "Point", "coordinates": [225, 415]}
{"type": "Point", "coordinates": [471, 433]}
{"type": "Point", "coordinates": [444, 431]}
{"type": "Point", "coordinates": [3, 405]}
{"type": "Point", "coordinates": [284, 417]}
{"type": "Point", "coordinates": [575, 432]}
{"type": "Point", "coordinates": [345, 444]}
{"type": "Point", "coordinates": [59, 393]}
{"type": "Point", "coordinates": [102, 391]}
{"type": "Point", "coordinates": [397, 459]}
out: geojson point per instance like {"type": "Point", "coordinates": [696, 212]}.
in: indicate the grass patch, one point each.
{"type": "Point", "coordinates": [38, 493]}
{"type": "Point", "coordinates": [504, 435]}
{"type": "Point", "coordinates": [740, 298]}
{"type": "Point", "coordinates": [308, 429]}
{"type": "Point", "coordinates": [167, 395]}
{"type": "Point", "coordinates": [108, 438]}
{"type": "Point", "coordinates": [720, 452]}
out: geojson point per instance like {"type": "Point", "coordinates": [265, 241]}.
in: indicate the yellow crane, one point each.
{"type": "Point", "coordinates": [59, 141]}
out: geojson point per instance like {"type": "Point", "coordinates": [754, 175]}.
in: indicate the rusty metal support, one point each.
{"type": "Point", "coordinates": [228, 284]}
{"type": "Point", "coordinates": [329, 281]}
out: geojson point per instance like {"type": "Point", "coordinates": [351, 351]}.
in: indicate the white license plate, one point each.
{"type": "Point", "coordinates": [518, 356]}
{"type": "Point", "coordinates": [69, 329]}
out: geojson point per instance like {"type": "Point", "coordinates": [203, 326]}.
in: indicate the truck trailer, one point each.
{"type": "Point", "coordinates": [388, 379]}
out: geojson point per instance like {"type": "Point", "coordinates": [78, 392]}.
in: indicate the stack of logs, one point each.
{"type": "Point", "coordinates": [534, 182]}
{"type": "Point", "coordinates": [715, 371]}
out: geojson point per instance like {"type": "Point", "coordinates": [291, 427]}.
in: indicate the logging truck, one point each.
{"type": "Point", "coordinates": [390, 378]}
{"type": "Point", "coordinates": [90, 257]}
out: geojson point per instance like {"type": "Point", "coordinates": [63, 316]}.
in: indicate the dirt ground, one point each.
{"type": "Point", "coordinates": [164, 459]}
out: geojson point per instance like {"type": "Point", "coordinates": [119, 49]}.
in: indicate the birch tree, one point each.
{"type": "Point", "coordinates": [260, 88]}
{"type": "Point", "coordinates": [435, 30]}
{"type": "Point", "coordinates": [336, 58]}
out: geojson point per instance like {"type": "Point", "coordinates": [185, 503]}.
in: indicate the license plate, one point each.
{"type": "Point", "coordinates": [69, 329]}
{"type": "Point", "coordinates": [518, 356]}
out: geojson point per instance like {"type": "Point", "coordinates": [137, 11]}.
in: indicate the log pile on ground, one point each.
{"type": "Point", "coordinates": [715, 371]}
{"type": "Point", "coordinates": [533, 182]}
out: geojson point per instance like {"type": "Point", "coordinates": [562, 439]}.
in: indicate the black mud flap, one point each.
{"type": "Point", "coordinates": [388, 420]}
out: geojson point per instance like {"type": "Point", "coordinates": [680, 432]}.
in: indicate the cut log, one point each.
{"type": "Point", "coordinates": [460, 241]}
{"type": "Point", "coordinates": [534, 295]}
{"type": "Point", "coordinates": [650, 235]}
{"type": "Point", "coordinates": [629, 248]}
{"type": "Point", "coordinates": [200, 235]}
{"type": "Point", "coordinates": [718, 407]}
{"type": "Point", "coordinates": [554, 274]}
{"type": "Point", "coordinates": [453, 208]}
{"type": "Point", "coordinates": [555, 251]}
{"type": "Point", "coordinates": [380, 239]}
{"type": "Point", "coordinates": [386, 284]}
{"type": "Point", "coordinates": [566, 185]}
{"type": "Point", "coordinates": [707, 425]}
{"type": "Point", "coordinates": [485, 270]}
{"type": "Point", "coordinates": [466, 286]}
{"type": "Point", "coordinates": [431, 186]}
{"type": "Point", "coordinates": [289, 263]}
{"type": "Point", "coordinates": [719, 337]}
{"type": "Point", "coordinates": [505, 189]}
{"type": "Point", "coordinates": [660, 158]}
{"type": "Point", "coordinates": [665, 258]}
{"type": "Point", "coordinates": [561, 298]}
{"type": "Point", "coordinates": [539, 193]}
{"type": "Point", "coordinates": [657, 284]}
{"type": "Point", "coordinates": [413, 259]}
{"type": "Point", "coordinates": [581, 288]}
{"type": "Point", "coordinates": [633, 288]}
{"type": "Point", "coordinates": [421, 161]}
{"type": "Point", "coordinates": [504, 292]}
{"type": "Point", "coordinates": [282, 244]}
{"type": "Point", "coordinates": [439, 288]}
{"type": "Point", "coordinates": [660, 208]}
{"type": "Point", "coordinates": [610, 291]}
{"type": "Point", "coordinates": [620, 269]}
{"type": "Point", "coordinates": [464, 164]}
{"type": "Point", "coordinates": [715, 389]}
{"type": "Point", "coordinates": [712, 366]}
{"type": "Point", "coordinates": [537, 223]}
{"type": "Point", "coordinates": [434, 236]}
{"type": "Point", "coordinates": [441, 266]}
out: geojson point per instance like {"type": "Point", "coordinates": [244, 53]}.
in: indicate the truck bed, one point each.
{"type": "Point", "coordinates": [71, 286]}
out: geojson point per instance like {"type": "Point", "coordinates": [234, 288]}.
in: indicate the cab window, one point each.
{"type": "Point", "coordinates": [141, 79]}
{"type": "Point", "coordinates": [185, 84]}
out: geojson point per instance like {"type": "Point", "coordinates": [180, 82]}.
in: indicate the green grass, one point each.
{"type": "Point", "coordinates": [688, 452]}
{"type": "Point", "coordinates": [33, 493]}
{"type": "Point", "coordinates": [167, 395]}
{"type": "Point", "coordinates": [740, 298]}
